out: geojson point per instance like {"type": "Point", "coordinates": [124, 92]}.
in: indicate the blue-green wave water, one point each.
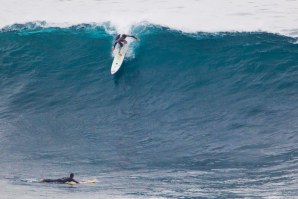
{"type": "Point", "coordinates": [187, 116]}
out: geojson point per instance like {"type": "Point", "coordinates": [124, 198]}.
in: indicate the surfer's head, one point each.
{"type": "Point", "coordinates": [71, 175]}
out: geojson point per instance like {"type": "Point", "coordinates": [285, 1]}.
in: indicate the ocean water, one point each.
{"type": "Point", "coordinates": [192, 113]}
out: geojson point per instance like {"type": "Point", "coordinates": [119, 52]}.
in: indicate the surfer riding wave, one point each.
{"type": "Point", "coordinates": [120, 39]}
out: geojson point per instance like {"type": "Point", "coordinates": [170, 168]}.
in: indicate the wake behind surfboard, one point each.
{"type": "Point", "coordinates": [118, 59]}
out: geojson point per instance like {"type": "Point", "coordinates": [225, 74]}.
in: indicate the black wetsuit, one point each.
{"type": "Point", "coordinates": [60, 180]}
{"type": "Point", "coordinates": [120, 39]}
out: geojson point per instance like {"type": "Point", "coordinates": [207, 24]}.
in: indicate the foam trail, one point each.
{"type": "Point", "coordinates": [277, 16]}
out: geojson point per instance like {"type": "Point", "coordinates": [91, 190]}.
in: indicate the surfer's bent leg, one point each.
{"type": "Point", "coordinates": [121, 45]}
{"type": "Point", "coordinates": [48, 180]}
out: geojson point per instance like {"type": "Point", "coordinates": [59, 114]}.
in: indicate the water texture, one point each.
{"type": "Point", "coordinates": [202, 115]}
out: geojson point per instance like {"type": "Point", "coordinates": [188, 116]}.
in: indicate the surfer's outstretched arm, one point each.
{"type": "Point", "coordinates": [116, 38]}
{"type": "Point", "coordinates": [115, 45]}
{"type": "Point", "coordinates": [116, 41]}
{"type": "Point", "coordinates": [75, 181]}
{"type": "Point", "coordinates": [133, 37]}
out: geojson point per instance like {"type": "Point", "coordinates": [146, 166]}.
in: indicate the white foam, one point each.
{"type": "Point", "coordinates": [277, 16]}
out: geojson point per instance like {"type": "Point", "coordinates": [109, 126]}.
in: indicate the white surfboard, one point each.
{"type": "Point", "coordinates": [118, 59]}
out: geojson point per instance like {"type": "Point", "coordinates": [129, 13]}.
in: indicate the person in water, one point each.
{"type": "Point", "coordinates": [61, 180]}
{"type": "Point", "coordinates": [120, 39]}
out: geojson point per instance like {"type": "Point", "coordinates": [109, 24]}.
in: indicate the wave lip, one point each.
{"type": "Point", "coordinates": [190, 16]}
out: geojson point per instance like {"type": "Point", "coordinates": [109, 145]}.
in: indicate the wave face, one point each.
{"type": "Point", "coordinates": [188, 115]}
{"type": "Point", "coordinates": [278, 16]}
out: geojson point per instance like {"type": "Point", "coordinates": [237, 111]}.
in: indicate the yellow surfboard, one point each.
{"type": "Point", "coordinates": [82, 182]}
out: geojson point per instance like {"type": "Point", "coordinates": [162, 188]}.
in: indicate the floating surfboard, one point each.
{"type": "Point", "coordinates": [118, 59]}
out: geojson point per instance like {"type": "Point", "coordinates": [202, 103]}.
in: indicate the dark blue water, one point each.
{"type": "Point", "coordinates": [187, 116]}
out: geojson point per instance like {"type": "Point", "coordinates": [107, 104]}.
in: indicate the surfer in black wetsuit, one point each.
{"type": "Point", "coordinates": [120, 39]}
{"type": "Point", "coordinates": [61, 180]}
